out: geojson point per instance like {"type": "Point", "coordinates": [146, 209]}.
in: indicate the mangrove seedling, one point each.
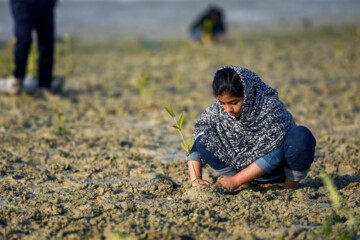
{"type": "Point", "coordinates": [145, 91]}
{"type": "Point", "coordinates": [32, 62]}
{"type": "Point", "coordinates": [340, 215]}
{"type": "Point", "coordinates": [7, 58]}
{"type": "Point", "coordinates": [60, 126]}
{"type": "Point", "coordinates": [63, 53]}
{"type": "Point", "coordinates": [338, 49]}
{"type": "Point", "coordinates": [185, 146]}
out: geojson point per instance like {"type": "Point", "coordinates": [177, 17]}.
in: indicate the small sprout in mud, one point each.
{"type": "Point", "coordinates": [342, 216]}
{"type": "Point", "coordinates": [63, 50]}
{"type": "Point", "coordinates": [60, 126]}
{"type": "Point", "coordinates": [145, 91]}
{"type": "Point", "coordinates": [331, 188]}
{"type": "Point", "coordinates": [178, 125]}
{"type": "Point", "coordinates": [178, 76]}
{"type": "Point", "coordinates": [32, 61]}
{"type": "Point", "coordinates": [179, 69]}
{"type": "Point", "coordinates": [7, 59]}
{"type": "Point", "coordinates": [335, 199]}
{"type": "Point", "coordinates": [338, 49]}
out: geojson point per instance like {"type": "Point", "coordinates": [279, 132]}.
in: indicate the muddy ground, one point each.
{"type": "Point", "coordinates": [118, 170]}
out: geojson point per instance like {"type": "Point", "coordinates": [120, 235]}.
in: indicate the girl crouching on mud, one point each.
{"type": "Point", "coordinates": [248, 134]}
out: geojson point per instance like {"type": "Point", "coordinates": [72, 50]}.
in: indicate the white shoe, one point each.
{"type": "Point", "coordinates": [31, 85]}
{"type": "Point", "coordinates": [10, 86]}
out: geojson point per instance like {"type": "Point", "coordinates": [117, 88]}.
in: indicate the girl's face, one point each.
{"type": "Point", "coordinates": [232, 105]}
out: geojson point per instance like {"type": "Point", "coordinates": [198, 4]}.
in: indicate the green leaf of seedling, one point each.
{"type": "Point", "coordinates": [176, 127]}
{"type": "Point", "coordinates": [331, 188]}
{"type": "Point", "coordinates": [181, 120]}
{"type": "Point", "coordinates": [168, 110]}
{"type": "Point", "coordinates": [190, 143]}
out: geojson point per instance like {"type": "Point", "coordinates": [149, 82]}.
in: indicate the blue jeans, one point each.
{"type": "Point", "coordinates": [30, 15]}
{"type": "Point", "coordinates": [195, 34]}
{"type": "Point", "coordinates": [291, 160]}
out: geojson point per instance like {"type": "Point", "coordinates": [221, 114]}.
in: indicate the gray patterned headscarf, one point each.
{"type": "Point", "coordinates": [261, 128]}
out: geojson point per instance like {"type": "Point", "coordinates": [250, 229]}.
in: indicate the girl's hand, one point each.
{"type": "Point", "coordinates": [197, 182]}
{"type": "Point", "coordinates": [242, 179]}
{"type": "Point", "coordinates": [229, 183]}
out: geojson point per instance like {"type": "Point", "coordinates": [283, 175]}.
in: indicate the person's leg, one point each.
{"type": "Point", "coordinates": [44, 25]}
{"type": "Point", "coordinates": [220, 167]}
{"type": "Point", "coordinates": [23, 29]}
{"type": "Point", "coordinates": [195, 35]}
{"type": "Point", "coordinates": [299, 151]}
{"type": "Point", "coordinates": [272, 164]}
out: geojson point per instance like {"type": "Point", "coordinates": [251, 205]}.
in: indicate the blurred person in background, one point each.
{"type": "Point", "coordinates": [29, 15]}
{"type": "Point", "coordinates": [209, 27]}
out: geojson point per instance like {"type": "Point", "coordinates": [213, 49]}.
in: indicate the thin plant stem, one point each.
{"type": "Point", "coordinates": [188, 152]}
{"type": "Point", "coordinates": [186, 147]}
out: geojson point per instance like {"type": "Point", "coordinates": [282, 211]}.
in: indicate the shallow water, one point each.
{"type": "Point", "coordinates": [163, 19]}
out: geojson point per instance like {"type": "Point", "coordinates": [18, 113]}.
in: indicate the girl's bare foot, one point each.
{"type": "Point", "coordinates": [290, 185]}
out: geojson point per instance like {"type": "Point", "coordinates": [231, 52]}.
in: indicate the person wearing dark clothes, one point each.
{"type": "Point", "coordinates": [32, 15]}
{"type": "Point", "coordinates": [209, 27]}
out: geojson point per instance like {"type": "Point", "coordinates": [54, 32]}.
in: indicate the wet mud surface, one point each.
{"type": "Point", "coordinates": [119, 172]}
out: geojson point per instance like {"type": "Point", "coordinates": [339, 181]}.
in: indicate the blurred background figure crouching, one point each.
{"type": "Point", "coordinates": [209, 27]}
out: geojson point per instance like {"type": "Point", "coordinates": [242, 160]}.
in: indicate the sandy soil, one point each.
{"type": "Point", "coordinates": [119, 172]}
